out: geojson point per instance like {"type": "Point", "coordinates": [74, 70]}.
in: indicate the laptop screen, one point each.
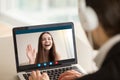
{"type": "Point", "coordinates": [44, 46]}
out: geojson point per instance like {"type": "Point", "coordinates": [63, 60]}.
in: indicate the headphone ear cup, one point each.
{"type": "Point", "coordinates": [87, 16]}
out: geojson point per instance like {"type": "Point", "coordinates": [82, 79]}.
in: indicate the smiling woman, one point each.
{"type": "Point", "coordinates": [46, 50]}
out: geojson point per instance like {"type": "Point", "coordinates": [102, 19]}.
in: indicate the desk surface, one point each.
{"type": "Point", "coordinates": [7, 62]}
{"type": "Point", "coordinates": [7, 59]}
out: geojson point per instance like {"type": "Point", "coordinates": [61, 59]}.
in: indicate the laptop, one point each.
{"type": "Point", "coordinates": [27, 38]}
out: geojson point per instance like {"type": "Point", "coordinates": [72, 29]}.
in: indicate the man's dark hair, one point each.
{"type": "Point", "coordinates": [108, 12]}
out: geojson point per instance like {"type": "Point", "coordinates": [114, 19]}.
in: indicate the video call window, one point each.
{"type": "Point", "coordinates": [55, 45]}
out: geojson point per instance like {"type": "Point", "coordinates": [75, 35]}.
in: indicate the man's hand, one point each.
{"type": "Point", "coordinates": [70, 75]}
{"type": "Point", "coordinates": [36, 75]}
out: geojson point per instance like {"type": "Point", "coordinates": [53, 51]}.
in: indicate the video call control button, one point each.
{"type": "Point", "coordinates": [50, 63]}
{"type": "Point", "coordinates": [45, 64]}
{"type": "Point", "coordinates": [38, 65]}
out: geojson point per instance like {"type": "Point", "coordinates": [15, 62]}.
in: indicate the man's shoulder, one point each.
{"type": "Point", "coordinates": [113, 53]}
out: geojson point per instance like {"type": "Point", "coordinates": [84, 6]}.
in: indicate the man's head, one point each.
{"type": "Point", "coordinates": [102, 18]}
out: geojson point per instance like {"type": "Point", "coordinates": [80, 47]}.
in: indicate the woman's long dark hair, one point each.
{"type": "Point", "coordinates": [40, 57]}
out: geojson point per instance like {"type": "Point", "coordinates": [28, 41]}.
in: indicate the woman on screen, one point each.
{"type": "Point", "coordinates": [46, 50]}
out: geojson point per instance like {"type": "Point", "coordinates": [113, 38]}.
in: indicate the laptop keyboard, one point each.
{"type": "Point", "coordinates": [53, 73]}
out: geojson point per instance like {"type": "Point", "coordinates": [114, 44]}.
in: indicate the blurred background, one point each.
{"type": "Point", "coordinates": [23, 12]}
